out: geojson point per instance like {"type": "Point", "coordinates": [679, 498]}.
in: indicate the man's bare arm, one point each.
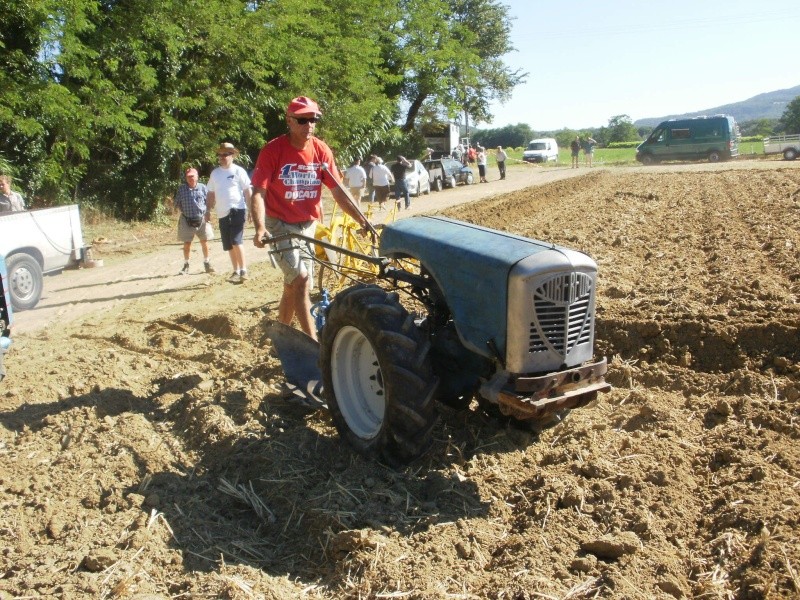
{"type": "Point", "coordinates": [256, 204]}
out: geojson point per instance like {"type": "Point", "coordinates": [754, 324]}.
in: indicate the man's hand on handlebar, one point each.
{"type": "Point", "coordinates": [260, 238]}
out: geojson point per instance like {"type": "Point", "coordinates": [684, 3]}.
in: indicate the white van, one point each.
{"type": "Point", "coordinates": [541, 150]}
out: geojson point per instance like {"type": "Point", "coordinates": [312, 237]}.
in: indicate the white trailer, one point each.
{"type": "Point", "coordinates": [36, 243]}
{"type": "Point", "coordinates": [788, 145]}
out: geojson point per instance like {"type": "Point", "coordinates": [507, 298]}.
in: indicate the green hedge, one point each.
{"type": "Point", "coordinates": [624, 144]}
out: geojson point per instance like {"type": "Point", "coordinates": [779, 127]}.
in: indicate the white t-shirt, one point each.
{"type": "Point", "coordinates": [356, 176]}
{"type": "Point", "coordinates": [228, 186]}
{"type": "Point", "coordinates": [381, 175]}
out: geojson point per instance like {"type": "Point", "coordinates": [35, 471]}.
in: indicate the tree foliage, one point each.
{"type": "Point", "coordinates": [510, 136]}
{"type": "Point", "coordinates": [790, 119]}
{"type": "Point", "coordinates": [621, 129]}
{"type": "Point", "coordinates": [108, 101]}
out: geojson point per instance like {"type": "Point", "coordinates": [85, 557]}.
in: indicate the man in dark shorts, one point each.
{"type": "Point", "coordinates": [229, 191]}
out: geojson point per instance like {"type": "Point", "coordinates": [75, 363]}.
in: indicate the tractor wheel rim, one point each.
{"type": "Point", "coordinates": [358, 383]}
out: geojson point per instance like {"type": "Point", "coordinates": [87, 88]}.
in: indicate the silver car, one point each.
{"type": "Point", "coordinates": [419, 182]}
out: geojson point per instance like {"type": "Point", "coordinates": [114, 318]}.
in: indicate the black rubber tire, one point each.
{"type": "Point", "coordinates": [452, 181]}
{"type": "Point", "coordinates": [648, 159]}
{"type": "Point", "coordinates": [470, 179]}
{"type": "Point", "coordinates": [714, 156]}
{"type": "Point", "coordinates": [377, 377]}
{"type": "Point", "coordinates": [437, 184]}
{"type": "Point", "coordinates": [789, 154]}
{"type": "Point", "coordinates": [25, 282]}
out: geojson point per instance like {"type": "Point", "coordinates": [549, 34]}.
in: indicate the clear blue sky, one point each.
{"type": "Point", "coordinates": [588, 61]}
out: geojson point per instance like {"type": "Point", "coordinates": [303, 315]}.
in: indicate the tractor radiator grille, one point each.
{"type": "Point", "coordinates": [562, 314]}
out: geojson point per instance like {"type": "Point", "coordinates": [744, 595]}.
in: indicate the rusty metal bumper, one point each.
{"type": "Point", "coordinates": [535, 398]}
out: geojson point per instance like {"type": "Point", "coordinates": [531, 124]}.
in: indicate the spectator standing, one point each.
{"type": "Point", "coordinates": [501, 156]}
{"type": "Point", "coordinates": [481, 158]}
{"type": "Point", "coordinates": [382, 178]}
{"type": "Point", "coordinates": [10, 201]}
{"type": "Point", "coordinates": [356, 178]}
{"type": "Point", "coordinates": [190, 200]}
{"type": "Point", "coordinates": [588, 150]}
{"type": "Point", "coordinates": [229, 192]}
{"type": "Point", "coordinates": [575, 149]}
{"type": "Point", "coordinates": [398, 170]}
{"type": "Point", "coordinates": [368, 170]}
{"type": "Point", "coordinates": [471, 155]}
{"type": "Point", "coordinates": [287, 198]}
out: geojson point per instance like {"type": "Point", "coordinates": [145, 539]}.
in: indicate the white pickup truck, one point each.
{"type": "Point", "coordinates": [788, 145]}
{"type": "Point", "coordinates": [36, 243]}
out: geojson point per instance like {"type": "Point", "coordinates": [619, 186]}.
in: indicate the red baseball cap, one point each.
{"type": "Point", "coordinates": [303, 105]}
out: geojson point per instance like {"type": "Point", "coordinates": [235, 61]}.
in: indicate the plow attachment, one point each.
{"type": "Point", "coordinates": [299, 356]}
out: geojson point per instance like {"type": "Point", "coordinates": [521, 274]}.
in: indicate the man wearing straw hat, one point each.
{"type": "Point", "coordinates": [287, 198]}
{"type": "Point", "coordinates": [229, 190]}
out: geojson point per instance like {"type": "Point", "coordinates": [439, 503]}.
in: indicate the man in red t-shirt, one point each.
{"type": "Point", "coordinates": [287, 198]}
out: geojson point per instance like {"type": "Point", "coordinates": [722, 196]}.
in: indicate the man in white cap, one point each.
{"type": "Point", "coordinates": [229, 191]}
{"type": "Point", "coordinates": [190, 200]}
{"type": "Point", "coordinates": [287, 197]}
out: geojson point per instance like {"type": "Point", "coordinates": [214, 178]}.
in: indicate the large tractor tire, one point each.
{"type": "Point", "coordinates": [25, 281]}
{"type": "Point", "coordinates": [377, 377]}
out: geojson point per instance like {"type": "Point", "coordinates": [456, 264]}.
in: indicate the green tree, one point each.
{"type": "Point", "coordinates": [620, 129]}
{"type": "Point", "coordinates": [449, 55]}
{"type": "Point", "coordinates": [790, 119]}
{"type": "Point", "coordinates": [510, 136]}
{"type": "Point", "coordinates": [759, 127]}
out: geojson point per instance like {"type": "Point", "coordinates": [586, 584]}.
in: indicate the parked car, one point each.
{"type": "Point", "coordinates": [541, 150]}
{"type": "Point", "coordinates": [448, 172]}
{"type": "Point", "coordinates": [417, 177]}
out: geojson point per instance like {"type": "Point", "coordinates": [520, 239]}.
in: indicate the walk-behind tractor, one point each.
{"type": "Point", "coordinates": [485, 315]}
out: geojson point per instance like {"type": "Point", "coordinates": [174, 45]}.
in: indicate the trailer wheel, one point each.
{"type": "Point", "coordinates": [25, 281]}
{"type": "Point", "coordinates": [789, 154]}
{"type": "Point", "coordinates": [377, 376]}
{"type": "Point", "coordinates": [714, 156]}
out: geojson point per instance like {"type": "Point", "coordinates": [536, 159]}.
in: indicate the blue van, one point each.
{"type": "Point", "coordinates": [701, 138]}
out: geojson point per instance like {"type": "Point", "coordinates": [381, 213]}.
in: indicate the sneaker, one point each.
{"type": "Point", "coordinates": [209, 268]}
{"type": "Point", "coordinates": [243, 276]}
{"type": "Point", "coordinates": [234, 278]}
{"type": "Point", "coordinates": [185, 269]}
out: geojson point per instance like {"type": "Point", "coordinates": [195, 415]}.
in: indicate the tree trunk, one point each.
{"type": "Point", "coordinates": [413, 112]}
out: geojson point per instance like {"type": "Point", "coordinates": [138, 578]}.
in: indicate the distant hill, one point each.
{"type": "Point", "coordinates": [764, 106]}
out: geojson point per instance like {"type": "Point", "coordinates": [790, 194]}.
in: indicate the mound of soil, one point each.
{"type": "Point", "coordinates": [146, 451]}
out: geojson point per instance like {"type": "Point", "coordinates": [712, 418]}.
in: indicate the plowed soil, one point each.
{"type": "Point", "coordinates": [146, 451]}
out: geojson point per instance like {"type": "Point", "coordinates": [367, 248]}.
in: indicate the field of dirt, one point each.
{"type": "Point", "coordinates": [146, 451]}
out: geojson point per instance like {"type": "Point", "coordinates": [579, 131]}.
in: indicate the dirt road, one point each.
{"type": "Point", "coordinates": [146, 452]}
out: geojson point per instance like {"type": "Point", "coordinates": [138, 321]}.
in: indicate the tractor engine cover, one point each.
{"type": "Point", "coordinates": [526, 302]}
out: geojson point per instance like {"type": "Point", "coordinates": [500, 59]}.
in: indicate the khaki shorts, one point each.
{"type": "Point", "coordinates": [295, 257]}
{"type": "Point", "coordinates": [186, 232]}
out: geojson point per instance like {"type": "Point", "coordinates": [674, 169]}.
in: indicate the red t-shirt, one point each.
{"type": "Point", "coordinates": [293, 178]}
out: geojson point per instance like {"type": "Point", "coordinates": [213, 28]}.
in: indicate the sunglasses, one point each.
{"type": "Point", "coordinates": [306, 120]}
{"type": "Point", "coordinates": [225, 154]}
